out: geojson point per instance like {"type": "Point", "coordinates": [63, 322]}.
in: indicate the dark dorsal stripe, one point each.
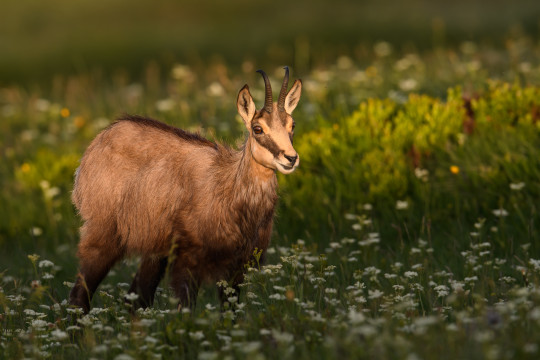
{"type": "Point", "coordinates": [185, 135]}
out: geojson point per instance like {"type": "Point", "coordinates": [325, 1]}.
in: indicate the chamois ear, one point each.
{"type": "Point", "coordinates": [245, 105]}
{"type": "Point", "coordinates": [293, 96]}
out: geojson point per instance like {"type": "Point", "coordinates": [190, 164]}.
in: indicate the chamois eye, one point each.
{"type": "Point", "coordinates": [293, 126]}
{"type": "Point", "coordinates": [257, 130]}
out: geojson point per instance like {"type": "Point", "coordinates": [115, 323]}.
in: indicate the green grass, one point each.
{"type": "Point", "coordinates": [403, 234]}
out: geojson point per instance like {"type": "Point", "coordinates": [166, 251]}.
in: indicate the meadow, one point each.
{"type": "Point", "coordinates": [409, 231]}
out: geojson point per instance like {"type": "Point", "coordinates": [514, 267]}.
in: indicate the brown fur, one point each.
{"type": "Point", "coordinates": [146, 188]}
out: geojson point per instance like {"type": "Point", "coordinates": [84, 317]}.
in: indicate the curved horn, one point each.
{"type": "Point", "coordinates": [268, 92]}
{"type": "Point", "coordinates": [283, 92]}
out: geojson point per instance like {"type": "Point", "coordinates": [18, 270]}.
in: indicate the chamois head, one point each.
{"type": "Point", "coordinates": [271, 128]}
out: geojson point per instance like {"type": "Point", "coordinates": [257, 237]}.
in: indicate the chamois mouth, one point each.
{"type": "Point", "coordinates": [286, 169]}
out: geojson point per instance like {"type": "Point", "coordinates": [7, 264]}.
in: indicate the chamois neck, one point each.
{"type": "Point", "coordinates": [252, 168]}
{"type": "Point", "coordinates": [247, 181]}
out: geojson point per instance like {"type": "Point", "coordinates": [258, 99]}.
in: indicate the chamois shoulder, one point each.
{"type": "Point", "coordinates": [155, 124]}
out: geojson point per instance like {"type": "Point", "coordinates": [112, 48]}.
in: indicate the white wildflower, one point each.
{"type": "Point", "coordinates": [277, 296]}
{"type": "Point", "coordinates": [410, 274]}
{"type": "Point", "coordinates": [196, 335]}
{"type": "Point", "coordinates": [42, 105]}
{"type": "Point", "coordinates": [165, 105]}
{"type": "Point", "coordinates": [530, 348]}
{"type": "Point", "coordinates": [45, 263]}
{"type": "Point", "coordinates": [124, 357]}
{"type": "Point", "coordinates": [215, 89]}
{"type": "Point", "coordinates": [535, 264]}
{"type": "Point", "coordinates": [100, 349]}
{"type": "Point", "coordinates": [421, 174]}
{"type": "Point", "coordinates": [500, 212]}
{"type": "Point", "coordinates": [131, 296]}
{"type": "Point", "coordinates": [375, 294]}
{"type": "Point", "coordinates": [282, 337]}
{"type": "Point", "coordinates": [517, 186]}
{"type": "Point", "coordinates": [38, 324]}
{"type": "Point", "coordinates": [58, 334]}
{"type": "Point", "coordinates": [250, 346]}
{"type": "Point", "coordinates": [366, 330]}
{"type": "Point", "coordinates": [442, 290]}
{"type": "Point", "coordinates": [408, 84]}
{"type": "Point", "coordinates": [356, 317]}
{"type": "Point", "coordinates": [351, 216]}
{"type": "Point", "coordinates": [382, 49]}
{"type": "Point", "coordinates": [402, 205]}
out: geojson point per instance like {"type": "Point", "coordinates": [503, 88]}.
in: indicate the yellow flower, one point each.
{"type": "Point", "coordinates": [78, 121]}
{"type": "Point", "coordinates": [371, 71]}
{"type": "Point", "coordinates": [289, 295]}
{"type": "Point", "coordinates": [64, 112]}
{"type": "Point", "coordinates": [25, 167]}
{"type": "Point", "coordinates": [454, 169]}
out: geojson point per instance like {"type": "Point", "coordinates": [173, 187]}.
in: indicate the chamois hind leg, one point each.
{"type": "Point", "coordinates": [147, 279]}
{"type": "Point", "coordinates": [96, 257]}
{"type": "Point", "coordinates": [185, 285]}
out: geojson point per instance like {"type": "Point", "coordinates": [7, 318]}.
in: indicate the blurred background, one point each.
{"type": "Point", "coordinates": [69, 68]}
{"type": "Point", "coordinates": [41, 39]}
{"type": "Point", "coordinates": [418, 131]}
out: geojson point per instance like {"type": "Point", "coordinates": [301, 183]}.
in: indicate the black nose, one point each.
{"type": "Point", "coordinates": [292, 159]}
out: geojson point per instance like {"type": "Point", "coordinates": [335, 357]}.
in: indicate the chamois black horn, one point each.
{"type": "Point", "coordinates": [283, 92]}
{"type": "Point", "coordinates": [268, 92]}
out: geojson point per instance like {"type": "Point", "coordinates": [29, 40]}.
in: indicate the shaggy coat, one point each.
{"type": "Point", "coordinates": [180, 201]}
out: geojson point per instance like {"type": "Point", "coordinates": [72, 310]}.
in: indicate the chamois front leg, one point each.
{"type": "Point", "coordinates": [146, 280]}
{"type": "Point", "coordinates": [263, 239]}
{"type": "Point", "coordinates": [185, 286]}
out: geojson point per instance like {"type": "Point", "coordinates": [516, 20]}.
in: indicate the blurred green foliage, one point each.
{"type": "Point", "coordinates": [38, 40]}
{"type": "Point", "coordinates": [363, 134]}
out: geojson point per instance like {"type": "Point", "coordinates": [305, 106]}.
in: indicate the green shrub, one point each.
{"type": "Point", "coordinates": [418, 152]}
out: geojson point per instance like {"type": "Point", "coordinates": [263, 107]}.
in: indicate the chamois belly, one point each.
{"type": "Point", "coordinates": [216, 252]}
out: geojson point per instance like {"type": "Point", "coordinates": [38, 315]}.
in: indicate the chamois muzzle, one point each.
{"type": "Point", "coordinates": [292, 159]}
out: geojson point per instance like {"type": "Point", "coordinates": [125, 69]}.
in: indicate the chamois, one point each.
{"type": "Point", "coordinates": [180, 201]}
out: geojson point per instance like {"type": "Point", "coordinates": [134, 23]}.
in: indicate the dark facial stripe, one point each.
{"type": "Point", "coordinates": [267, 142]}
